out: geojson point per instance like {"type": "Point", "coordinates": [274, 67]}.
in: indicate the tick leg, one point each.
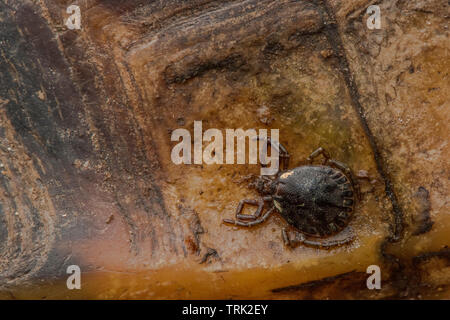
{"type": "Point", "coordinates": [299, 238]}
{"type": "Point", "coordinates": [282, 152]}
{"type": "Point", "coordinates": [251, 223]}
{"type": "Point", "coordinates": [286, 239]}
{"type": "Point", "coordinates": [292, 242]}
{"type": "Point", "coordinates": [255, 215]}
{"type": "Point", "coordinates": [319, 151]}
{"type": "Point", "coordinates": [328, 244]}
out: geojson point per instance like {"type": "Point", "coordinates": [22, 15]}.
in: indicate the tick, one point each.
{"type": "Point", "coordinates": [317, 201]}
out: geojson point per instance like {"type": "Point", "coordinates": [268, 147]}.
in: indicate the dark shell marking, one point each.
{"type": "Point", "coordinates": [317, 200]}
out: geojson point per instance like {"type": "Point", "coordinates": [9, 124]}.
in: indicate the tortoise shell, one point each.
{"type": "Point", "coordinates": [317, 200]}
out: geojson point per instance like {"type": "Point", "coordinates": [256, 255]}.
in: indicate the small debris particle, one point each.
{"type": "Point", "coordinates": [326, 53]}
{"type": "Point", "coordinates": [363, 174]}
{"type": "Point", "coordinates": [41, 95]}
{"type": "Point", "coordinates": [264, 115]}
{"type": "Point", "coordinates": [210, 253]}
{"type": "Point", "coordinates": [110, 219]}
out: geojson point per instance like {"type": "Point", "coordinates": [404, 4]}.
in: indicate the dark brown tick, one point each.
{"type": "Point", "coordinates": [316, 200]}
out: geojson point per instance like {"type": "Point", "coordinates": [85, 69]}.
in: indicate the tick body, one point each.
{"type": "Point", "coordinates": [317, 201]}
